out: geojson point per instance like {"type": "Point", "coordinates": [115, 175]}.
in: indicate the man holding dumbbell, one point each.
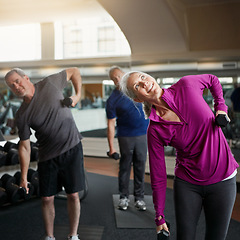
{"type": "Point", "coordinates": [131, 132]}
{"type": "Point", "coordinates": [60, 149]}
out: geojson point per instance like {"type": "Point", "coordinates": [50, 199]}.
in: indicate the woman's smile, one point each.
{"type": "Point", "coordinates": [151, 86]}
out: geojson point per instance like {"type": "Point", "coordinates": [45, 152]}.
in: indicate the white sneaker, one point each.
{"type": "Point", "coordinates": [73, 238]}
{"type": "Point", "coordinates": [49, 238]}
{"type": "Point", "coordinates": [140, 205]}
{"type": "Point", "coordinates": [123, 204]}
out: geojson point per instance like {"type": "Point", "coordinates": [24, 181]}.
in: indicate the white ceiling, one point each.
{"type": "Point", "coordinates": [14, 12]}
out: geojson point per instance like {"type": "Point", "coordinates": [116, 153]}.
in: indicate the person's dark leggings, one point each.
{"type": "Point", "coordinates": [133, 150]}
{"type": "Point", "coordinates": [217, 201]}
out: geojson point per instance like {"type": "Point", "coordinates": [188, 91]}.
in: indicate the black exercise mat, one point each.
{"type": "Point", "coordinates": [132, 218]}
{"type": "Point", "coordinates": [85, 232]}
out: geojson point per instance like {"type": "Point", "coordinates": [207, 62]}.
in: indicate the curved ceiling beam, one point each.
{"type": "Point", "coordinates": [149, 26]}
{"type": "Point", "coordinates": [178, 30]}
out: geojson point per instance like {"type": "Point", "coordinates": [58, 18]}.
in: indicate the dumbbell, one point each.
{"type": "Point", "coordinates": [163, 234]}
{"type": "Point", "coordinates": [9, 145]}
{"type": "Point", "coordinates": [14, 192]}
{"type": "Point", "coordinates": [114, 155]}
{"type": "Point", "coordinates": [25, 195]}
{"type": "Point", "coordinates": [67, 102]}
{"type": "Point", "coordinates": [222, 120]}
{"type": "Point", "coordinates": [3, 158]}
{"type": "Point", "coordinates": [12, 157]}
{"type": "Point", "coordinates": [34, 154]}
{"type": "Point", "coordinates": [34, 151]}
{"type": "Point", "coordinates": [33, 144]}
{"type": "Point", "coordinates": [3, 195]}
{"type": "Point", "coordinates": [32, 177]}
{"type": "Point", "coordinates": [7, 179]}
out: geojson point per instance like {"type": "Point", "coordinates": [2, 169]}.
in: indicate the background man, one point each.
{"type": "Point", "coordinates": [131, 133]}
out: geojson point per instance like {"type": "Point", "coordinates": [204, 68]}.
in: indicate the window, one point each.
{"type": "Point", "coordinates": [89, 37]}
{"type": "Point", "coordinates": [72, 41]}
{"type": "Point", "coordinates": [106, 39]}
{"type": "Point", "coordinates": [21, 42]}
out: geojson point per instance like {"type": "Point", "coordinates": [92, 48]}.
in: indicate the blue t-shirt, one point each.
{"type": "Point", "coordinates": [130, 116]}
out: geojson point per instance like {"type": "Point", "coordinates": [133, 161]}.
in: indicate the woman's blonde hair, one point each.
{"type": "Point", "coordinates": [147, 107]}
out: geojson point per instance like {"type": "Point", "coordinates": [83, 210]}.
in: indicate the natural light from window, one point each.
{"type": "Point", "coordinates": [89, 37]}
{"type": "Point", "coordinates": [20, 42]}
{"type": "Point", "coordinates": [96, 36]}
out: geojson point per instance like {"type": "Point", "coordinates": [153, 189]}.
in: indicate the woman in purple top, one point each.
{"type": "Point", "coordinates": [205, 171]}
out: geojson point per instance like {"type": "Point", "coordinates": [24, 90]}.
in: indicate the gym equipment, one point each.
{"type": "Point", "coordinates": [114, 155]}
{"type": "Point", "coordinates": [17, 176]}
{"type": "Point", "coordinates": [34, 154]}
{"type": "Point", "coordinates": [33, 178]}
{"type": "Point", "coordinates": [12, 157]}
{"type": "Point", "coordinates": [9, 154]}
{"type": "Point", "coordinates": [3, 158]}
{"type": "Point", "coordinates": [9, 145]}
{"type": "Point", "coordinates": [222, 120]}
{"type": "Point", "coordinates": [25, 195]}
{"type": "Point", "coordinates": [14, 192]}
{"type": "Point", "coordinates": [7, 179]}
{"type": "Point", "coordinates": [163, 234]}
{"type": "Point", "coordinates": [67, 102]}
{"type": "Point", "coordinates": [3, 195]}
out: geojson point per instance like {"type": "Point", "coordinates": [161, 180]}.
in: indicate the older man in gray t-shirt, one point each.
{"type": "Point", "coordinates": [55, 127]}
{"type": "Point", "coordinates": [60, 150]}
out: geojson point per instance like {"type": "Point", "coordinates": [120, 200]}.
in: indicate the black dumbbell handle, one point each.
{"type": "Point", "coordinates": [222, 120]}
{"type": "Point", "coordinates": [114, 155]}
{"type": "Point", "coordinates": [24, 193]}
{"type": "Point", "coordinates": [67, 102]}
{"type": "Point", "coordinates": [163, 235]}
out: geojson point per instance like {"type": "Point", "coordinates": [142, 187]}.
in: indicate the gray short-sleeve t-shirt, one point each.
{"type": "Point", "coordinates": [54, 126]}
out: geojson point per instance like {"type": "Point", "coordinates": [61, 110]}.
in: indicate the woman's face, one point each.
{"type": "Point", "coordinates": [144, 87]}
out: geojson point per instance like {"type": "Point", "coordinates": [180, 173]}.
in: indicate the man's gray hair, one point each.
{"type": "Point", "coordinates": [19, 71]}
{"type": "Point", "coordinates": [112, 68]}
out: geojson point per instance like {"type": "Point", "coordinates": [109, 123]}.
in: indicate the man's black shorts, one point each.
{"type": "Point", "coordinates": [65, 170]}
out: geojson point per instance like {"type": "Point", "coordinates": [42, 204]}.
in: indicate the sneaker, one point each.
{"type": "Point", "coordinates": [73, 238]}
{"type": "Point", "coordinates": [123, 203]}
{"type": "Point", "coordinates": [49, 238]}
{"type": "Point", "coordinates": [140, 205]}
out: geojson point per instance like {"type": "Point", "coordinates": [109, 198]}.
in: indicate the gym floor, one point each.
{"type": "Point", "coordinates": [109, 167]}
{"type": "Point", "coordinates": [96, 162]}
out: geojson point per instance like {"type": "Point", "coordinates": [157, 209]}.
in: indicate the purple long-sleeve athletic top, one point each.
{"type": "Point", "coordinates": [203, 156]}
